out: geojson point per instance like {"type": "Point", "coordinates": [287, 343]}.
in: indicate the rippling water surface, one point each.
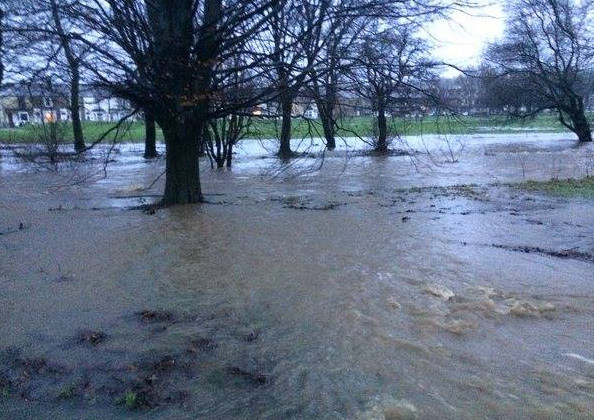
{"type": "Point", "coordinates": [340, 287]}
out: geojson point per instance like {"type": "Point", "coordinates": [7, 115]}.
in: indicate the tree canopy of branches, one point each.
{"type": "Point", "coordinates": [163, 55]}
{"type": "Point", "coordinates": [390, 70]}
{"type": "Point", "coordinates": [40, 36]}
{"type": "Point", "coordinates": [548, 53]}
{"type": "Point", "coordinates": [196, 67]}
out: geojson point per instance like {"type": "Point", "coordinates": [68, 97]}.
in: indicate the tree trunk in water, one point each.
{"type": "Point", "coordinates": [382, 131]}
{"type": "Point", "coordinates": [328, 127]}
{"type": "Point", "coordinates": [326, 109]}
{"type": "Point", "coordinates": [182, 184]}
{"type": "Point", "coordinates": [581, 127]}
{"type": "Point", "coordinates": [79, 141]}
{"type": "Point", "coordinates": [150, 137]}
{"type": "Point", "coordinates": [229, 154]}
{"type": "Point", "coordinates": [285, 151]}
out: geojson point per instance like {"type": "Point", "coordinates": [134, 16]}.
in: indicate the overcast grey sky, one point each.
{"type": "Point", "coordinates": [461, 40]}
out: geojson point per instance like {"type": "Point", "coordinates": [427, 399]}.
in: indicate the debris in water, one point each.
{"type": "Point", "coordinates": [149, 316]}
{"type": "Point", "coordinates": [89, 337]}
{"type": "Point", "coordinates": [64, 279]}
{"type": "Point", "coordinates": [439, 291]}
{"type": "Point", "coordinates": [393, 302]}
{"type": "Point", "coordinates": [459, 326]}
{"type": "Point", "coordinates": [257, 378]}
{"type": "Point", "coordinates": [526, 309]}
{"type": "Point", "coordinates": [391, 410]}
{"type": "Point", "coordinates": [252, 336]}
{"type": "Point", "coordinates": [401, 411]}
{"type": "Point", "coordinates": [202, 344]}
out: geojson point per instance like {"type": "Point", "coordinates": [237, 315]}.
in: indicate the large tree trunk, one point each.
{"type": "Point", "coordinates": [182, 182]}
{"type": "Point", "coordinates": [79, 142]}
{"type": "Point", "coordinates": [183, 123]}
{"type": "Point", "coordinates": [382, 131]}
{"type": "Point", "coordinates": [581, 126]}
{"type": "Point", "coordinates": [284, 151]}
{"type": "Point", "coordinates": [328, 127]}
{"type": "Point", "coordinates": [150, 136]}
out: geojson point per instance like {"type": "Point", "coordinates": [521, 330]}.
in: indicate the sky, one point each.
{"type": "Point", "coordinates": [461, 40]}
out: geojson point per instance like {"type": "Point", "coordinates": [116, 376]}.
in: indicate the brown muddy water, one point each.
{"type": "Point", "coordinates": [364, 288]}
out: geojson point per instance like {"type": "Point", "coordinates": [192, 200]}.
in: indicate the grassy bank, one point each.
{"type": "Point", "coordinates": [363, 126]}
{"type": "Point", "coordinates": [266, 128]}
{"type": "Point", "coordinates": [36, 133]}
{"type": "Point", "coordinates": [562, 187]}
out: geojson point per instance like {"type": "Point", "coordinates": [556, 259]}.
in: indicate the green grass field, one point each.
{"type": "Point", "coordinates": [266, 128]}
{"type": "Point", "coordinates": [563, 187]}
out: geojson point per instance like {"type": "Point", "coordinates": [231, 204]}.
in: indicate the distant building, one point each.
{"type": "Point", "coordinates": [22, 104]}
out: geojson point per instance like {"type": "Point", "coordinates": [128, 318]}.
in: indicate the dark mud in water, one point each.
{"type": "Point", "coordinates": [372, 288]}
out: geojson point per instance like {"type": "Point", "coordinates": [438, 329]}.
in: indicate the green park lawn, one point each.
{"type": "Point", "coordinates": [268, 128]}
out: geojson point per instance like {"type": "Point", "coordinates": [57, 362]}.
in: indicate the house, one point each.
{"type": "Point", "coordinates": [24, 103]}
{"type": "Point", "coordinates": [99, 105]}
{"type": "Point", "coordinates": [305, 107]}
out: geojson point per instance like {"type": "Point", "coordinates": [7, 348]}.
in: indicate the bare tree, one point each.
{"type": "Point", "coordinates": [73, 67]}
{"type": "Point", "coordinates": [549, 46]}
{"type": "Point", "coordinates": [389, 73]}
{"type": "Point", "coordinates": [42, 48]}
{"type": "Point", "coordinates": [161, 54]}
{"type": "Point", "coordinates": [293, 24]}
{"type": "Point", "coordinates": [509, 94]}
{"type": "Point", "coordinates": [222, 135]}
{"type": "Point", "coordinates": [327, 52]}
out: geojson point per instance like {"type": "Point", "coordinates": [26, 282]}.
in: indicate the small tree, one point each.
{"type": "Point", "coordinates": [549, 47]}
{"type": "Point", "coordinates": [389, 74]}
{"type": "Point", "coordinates": [222, 135]}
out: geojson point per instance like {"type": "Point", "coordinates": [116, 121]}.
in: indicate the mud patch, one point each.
{"type": "Point", "coordinates": [202, 344]}
{"type": "Point", "coordinates": [156, 316]}
{"type": "Point", "coordinates": [257, 378]}
{"type": "Point", "coordinates": [27, 377]}
{"type": "Point", "coordinates": [22, 226]}
{"type": "Point", "coordinates": [304, 203]}
{"type": "Point", "coordinates": [387, 153]}
{"type": "Point", "coordinates": [565, 254]}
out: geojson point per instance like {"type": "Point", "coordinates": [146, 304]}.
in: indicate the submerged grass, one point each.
{"type": "Point", "coordinates": [132, 401]}
{"type": "Point", "coordinates": [266, 128]}
{"type": "Point", "coordinates": [583, 187]}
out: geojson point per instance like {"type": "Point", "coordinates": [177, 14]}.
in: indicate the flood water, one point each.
{"type": "Point", "coordinates": [338, 287]}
